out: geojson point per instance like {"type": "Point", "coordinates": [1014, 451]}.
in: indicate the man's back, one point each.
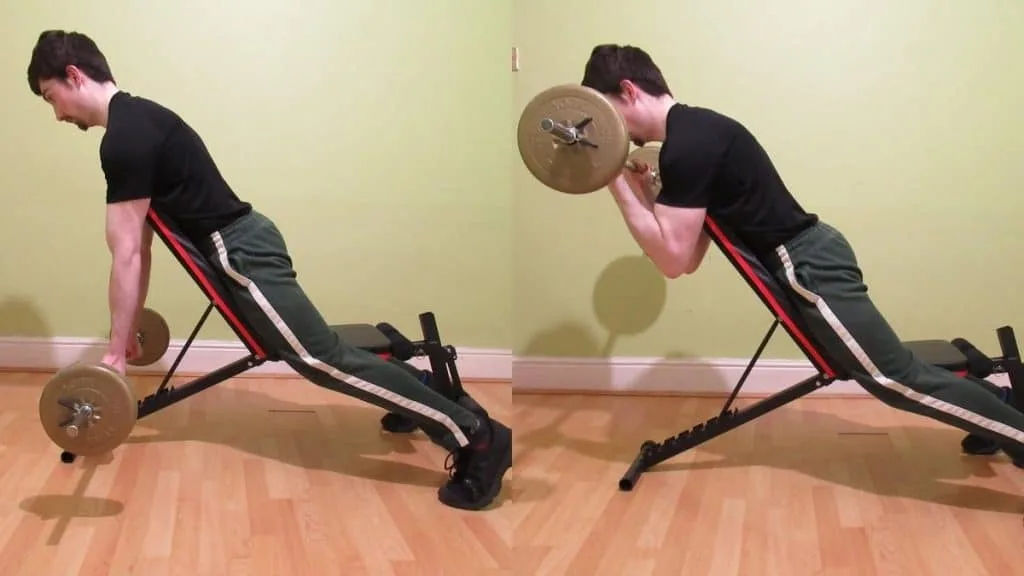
{"type": "Point", "coordinates": [148, 150]}
{"type": "Point", "coordinates": [709, 159]}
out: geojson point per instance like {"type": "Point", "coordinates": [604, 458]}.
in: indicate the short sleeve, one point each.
{"type": "Point", "coordinates": [128, 157]}
{"type": "Point", "coordinates": [687, 174]}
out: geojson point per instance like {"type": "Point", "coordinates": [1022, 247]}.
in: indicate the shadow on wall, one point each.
{"type": "Point", "coordinates": [22, 319]}
{"type": "Point", "coordinates": [628, 298]}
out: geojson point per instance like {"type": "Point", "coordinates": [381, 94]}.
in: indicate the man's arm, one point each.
{"type": "Point", "coordinates": [672, 237]}
{"type": "Point", "coordinates": [129, 154]}
{"type": "Point", "coordinates": [126, 240]}
{"type": "Point", "coordinates": [147, 261]}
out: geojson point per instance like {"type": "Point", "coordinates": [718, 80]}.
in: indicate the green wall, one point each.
{"type": "Point", "coordinates": [900, 123]}
{"type": "Point", "coordinates": [380, 136]}
{"type": "Point", "coordinates": [376, 134]}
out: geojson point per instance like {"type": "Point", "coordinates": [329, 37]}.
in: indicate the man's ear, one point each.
{"type": "Point", "coordinates": [73, 75]}
{"type": "Point", "coordinates": [629, 91]}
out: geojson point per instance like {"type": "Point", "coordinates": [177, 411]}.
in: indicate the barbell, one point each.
{"type": "Point", "coordinates": [573, 140]}
{"type": "Point", "coordinates": [89, 408]}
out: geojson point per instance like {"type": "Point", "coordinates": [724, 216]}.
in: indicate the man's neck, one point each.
{"type": "Point", "coordinates": [105, 93]}
{"type": "Point", "coordinates": [660, 108]}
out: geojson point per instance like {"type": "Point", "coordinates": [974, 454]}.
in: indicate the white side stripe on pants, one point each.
{"type": "Point", "coordinates": [313, 362]}
{"type": "Point", "coordinates": [876, 374]}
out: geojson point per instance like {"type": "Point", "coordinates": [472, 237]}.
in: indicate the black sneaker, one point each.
{"type": "Point", "coordinates": [476, 471]}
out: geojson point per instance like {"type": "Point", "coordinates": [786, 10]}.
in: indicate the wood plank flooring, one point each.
{"type": "Point", "coordinates": [251, 477]}
{"type": "Point", "coordinates": [825, 486]}
{"type": "Point", "coordinates": [279, 477]}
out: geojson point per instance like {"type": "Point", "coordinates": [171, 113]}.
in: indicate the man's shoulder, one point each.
{"type": "Point", "coordinates": [689, 124]}
{"type": "Point", "coordinates": [128, 103]}
{"type": "Point", "coordinates": [135, 122]}
{"type": "Point", "coordinates": [128, 112]}
{"type": "Point", "coordinates": [696, 135]}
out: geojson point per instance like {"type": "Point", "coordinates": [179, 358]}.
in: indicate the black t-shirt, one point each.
{"type": "Point", "coordinates": [711, 161]}
{"type": "Point", "coordinates": [148, 151]}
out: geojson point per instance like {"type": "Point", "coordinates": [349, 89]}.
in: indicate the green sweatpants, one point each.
{"type": "Point", "coordinates": [252, 259]}
{"type": "Point", "coordinates": [820, 271]}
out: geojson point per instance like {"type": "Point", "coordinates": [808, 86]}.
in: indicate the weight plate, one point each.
{"type": "Point", "coordinates": [649, 155]}
{"type": "Point", "coordinates": [580, 167]}
{"type": "Point", "coordinates": [100, 387]}
{"type": "Point", "coordinates": [154, 336]}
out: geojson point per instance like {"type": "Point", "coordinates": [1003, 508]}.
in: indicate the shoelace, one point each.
{"type": "Point", "coordinates": [451, 465]}
{"type": "Point", "coordinates": [457, 464]}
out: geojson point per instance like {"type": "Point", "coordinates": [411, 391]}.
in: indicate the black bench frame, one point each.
{"type": "Point", "coordinates": [382, 339]}
{"type": "Point", "coordinates": [957, 355]}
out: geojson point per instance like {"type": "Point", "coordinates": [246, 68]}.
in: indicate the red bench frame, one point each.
{"type": "Point", "coordinates": [382, 339]}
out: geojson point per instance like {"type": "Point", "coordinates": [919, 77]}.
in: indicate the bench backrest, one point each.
{"type": "Point", "coordinates": [204, 275]}
{"type": "Point", "coordinates": [778, 301]}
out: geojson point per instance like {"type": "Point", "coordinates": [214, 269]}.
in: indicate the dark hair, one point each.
{"type": "Point", "coordinates": [610, 64]}
{"type": "Point", "coordinates": [55, 50]}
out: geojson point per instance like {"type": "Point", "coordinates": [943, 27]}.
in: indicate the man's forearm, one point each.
{"type": "Point", "coordinates": [124, 290]}
{"type": "Point", "coordinates": [640, 221]}
{"type": "Point", "coordinates": [144, 274]}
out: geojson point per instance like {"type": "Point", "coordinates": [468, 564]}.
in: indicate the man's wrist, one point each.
{"type": "Point", "coordinates": [118, 342]}
{"type": "Point", "coordinates": [649, 192]}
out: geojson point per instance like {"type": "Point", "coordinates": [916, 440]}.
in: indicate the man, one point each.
{"type": "Point", "coordinates": [712, 165]}
{"type": "Point", "coordinates": [151, 157]}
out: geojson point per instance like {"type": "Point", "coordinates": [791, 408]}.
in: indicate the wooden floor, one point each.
{"type": "Point", "coordinates": [824, 486]}
{"type": "Point", "coordinates": [251, 477]}
{"type": "Point", "coordinates": [278, 477]}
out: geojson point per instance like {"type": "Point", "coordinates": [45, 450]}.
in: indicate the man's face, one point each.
{"type": "Point", "coordinates": [67, 101]}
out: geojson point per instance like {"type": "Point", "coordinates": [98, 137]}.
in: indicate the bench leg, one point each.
{"type": "Point", "coordinates": [653, 453]}
{"type": "Point", "coordinates": [1011, 364]}
{"type": "Point", "coordinates": [443, 376]}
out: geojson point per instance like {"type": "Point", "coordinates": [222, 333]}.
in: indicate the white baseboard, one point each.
{"type": "Point", "coordinates": [715, 376]}
{"type": "Point", "coordinates": [204, 356]}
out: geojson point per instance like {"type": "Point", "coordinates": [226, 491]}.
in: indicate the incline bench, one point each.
{"type": "Point", "coordinates": [958, 355]}
{"type": "Point", "coordinates": [382, 339]}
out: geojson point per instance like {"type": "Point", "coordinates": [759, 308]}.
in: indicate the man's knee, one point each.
{"type": "Point", "coordinates": [896, 380]}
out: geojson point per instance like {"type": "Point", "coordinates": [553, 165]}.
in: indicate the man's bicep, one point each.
{"type": "Point", "coordinates": [681, 226]}
{"type": "Point", "coordinates": [126, 226]}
